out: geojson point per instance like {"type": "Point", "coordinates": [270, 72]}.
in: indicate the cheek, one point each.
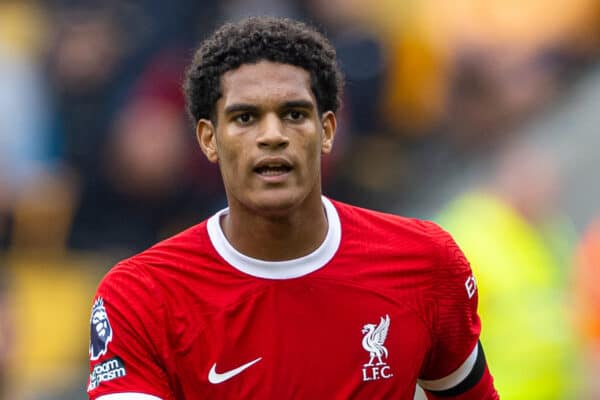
{"type": "Point", "coordinates": [231, 161]}
{"type": "Point", "coordinates": [313, 154]}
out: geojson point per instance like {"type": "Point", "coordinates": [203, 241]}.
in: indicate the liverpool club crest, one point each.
{"type": "Point", "coordinates": [374, 343]}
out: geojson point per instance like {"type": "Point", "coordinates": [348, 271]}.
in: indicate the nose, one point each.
{"type": "Point", "coordinates": [271, 133]}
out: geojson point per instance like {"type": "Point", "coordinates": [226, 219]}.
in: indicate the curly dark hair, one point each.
{"type": "Point", "coordinates": [254, 39]}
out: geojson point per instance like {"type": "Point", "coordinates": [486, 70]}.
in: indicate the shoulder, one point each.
{"type": "Point", "coordinates": [190, 242]}
{"type": "Point", "coordinates": [378, 225]}
{"type": "Point", "coordinates": [171, 255]}
{"type": "Point", "coordinates": [135, 286]}
{"type": "Point", "coordinates": [180, 249]}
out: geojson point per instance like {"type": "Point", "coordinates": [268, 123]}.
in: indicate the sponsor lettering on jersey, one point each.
{"type": "Point", "coordinates": [100, 330]}
{"type": "Point", "coordinates": [374, 343]}
{"type": "Point", "coordinates": [106, 371]}
{"type": "Point", "coordinates": [471, 286]}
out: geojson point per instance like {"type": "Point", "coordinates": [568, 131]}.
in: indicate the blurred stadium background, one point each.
{"type": "Point", "coordinates": [482, 115]}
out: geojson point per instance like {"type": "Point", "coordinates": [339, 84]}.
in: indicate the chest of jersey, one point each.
{"type": "Point", "coordinates": [300, 338]}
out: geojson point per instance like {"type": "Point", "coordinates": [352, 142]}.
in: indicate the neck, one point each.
{"type": "Point", "coordinates": [276, 238]}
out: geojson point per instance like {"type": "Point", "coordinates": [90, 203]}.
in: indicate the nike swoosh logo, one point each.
{"type": "Point", "coordinates": [215, 377]}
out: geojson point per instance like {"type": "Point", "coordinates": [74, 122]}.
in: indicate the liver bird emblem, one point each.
{"type": "Point", "coordinates": [374, 339]}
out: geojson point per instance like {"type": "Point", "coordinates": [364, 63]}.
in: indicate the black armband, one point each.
{"type": "Point", "coordinates": [473, 370]}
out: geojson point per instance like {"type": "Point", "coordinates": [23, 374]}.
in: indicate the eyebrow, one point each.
{"type": "Point", "coordinates": [237, 107]}
{"type": "Point", "coordinates": [298, 104]}
{"type": "Point", "coordinates": [245, 107]}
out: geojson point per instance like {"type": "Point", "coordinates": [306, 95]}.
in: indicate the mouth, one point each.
{"type": "Point", "coordinates": [268, 168]}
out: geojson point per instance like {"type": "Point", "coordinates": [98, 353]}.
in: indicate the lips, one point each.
{"type": "Point", "coordinates": [273, 167]}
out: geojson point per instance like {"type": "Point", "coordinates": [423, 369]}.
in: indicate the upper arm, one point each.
{"type": "Point", "coordinates": [456, 367]}
{"type": "Point", "coordinates": [127, 339]}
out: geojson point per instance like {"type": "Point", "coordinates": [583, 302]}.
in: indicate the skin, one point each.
{"type": "Point", "coordinates": [268, 116]}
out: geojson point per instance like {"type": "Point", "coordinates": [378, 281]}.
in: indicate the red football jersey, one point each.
{"type": "Point", "coordinates": [385, 301]}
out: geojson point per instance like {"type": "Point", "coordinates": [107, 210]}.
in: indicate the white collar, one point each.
{"type": "Point", "coordinates": [279, 269]}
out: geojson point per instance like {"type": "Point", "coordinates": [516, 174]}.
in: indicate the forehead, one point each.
{"type": "Point", "coordinates": [265, 83]}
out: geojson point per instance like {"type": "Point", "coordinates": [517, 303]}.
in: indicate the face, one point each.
{"type": "Point", "coordinates": [268, 137]}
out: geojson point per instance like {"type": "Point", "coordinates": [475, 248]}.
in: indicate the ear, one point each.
{"type": "Point", "coordinates": [205, 133]}
{"type": "Point", "coordinates": [329, 124]}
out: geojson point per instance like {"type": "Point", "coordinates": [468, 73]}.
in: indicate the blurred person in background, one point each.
{"type": "Point", "coordinates": [586, 289]}
{"type": "Point", "coordinates": [148, 183]}
{"type": "Point", "coordinates": [461, 75]}
{"type": "Point", "coordinates": [363, 167]}
{"type": "Point", "coordinates": [26, 148]}
{"type": "Point", "coordinates": [520, 247]}
{"type": "Point", "coordinates": [246, 287]}
{"type": "Point", "coordinates": [116, 69]}
{"type": "Point", "coordinates": [97, 53]}
{"type": "Point", "coordinates": [84, 65]}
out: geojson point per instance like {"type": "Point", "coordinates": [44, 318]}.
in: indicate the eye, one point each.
{"type": "Point", "coordinates": [295, 115]}
{"type": "Point", "coordinates": [244, 118]}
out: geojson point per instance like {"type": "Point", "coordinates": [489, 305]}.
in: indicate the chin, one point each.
{"type": "Point", "coordinates": [272, 203]}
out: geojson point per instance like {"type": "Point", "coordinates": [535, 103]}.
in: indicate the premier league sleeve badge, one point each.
{"type": "Point", "coordinates": [100, 330]}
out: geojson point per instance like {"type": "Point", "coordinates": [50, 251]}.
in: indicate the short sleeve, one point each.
{"type": "Point", "coordinates": [127, 336]}
{"type": "Point", "coordinates": [455, 325]}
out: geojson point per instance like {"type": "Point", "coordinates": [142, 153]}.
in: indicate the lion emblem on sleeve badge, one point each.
{"type": "Point", "coordinates": [100, 330]}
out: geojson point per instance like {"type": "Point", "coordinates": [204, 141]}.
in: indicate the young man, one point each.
{"type": "Point", "coordinates": [285, 294]}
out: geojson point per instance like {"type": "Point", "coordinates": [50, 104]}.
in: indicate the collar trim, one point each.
{"type": "Point", "coordinates": [287, 269]}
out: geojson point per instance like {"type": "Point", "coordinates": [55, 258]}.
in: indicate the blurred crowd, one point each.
{"type": "Point", "coordinates": [98, 161]}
